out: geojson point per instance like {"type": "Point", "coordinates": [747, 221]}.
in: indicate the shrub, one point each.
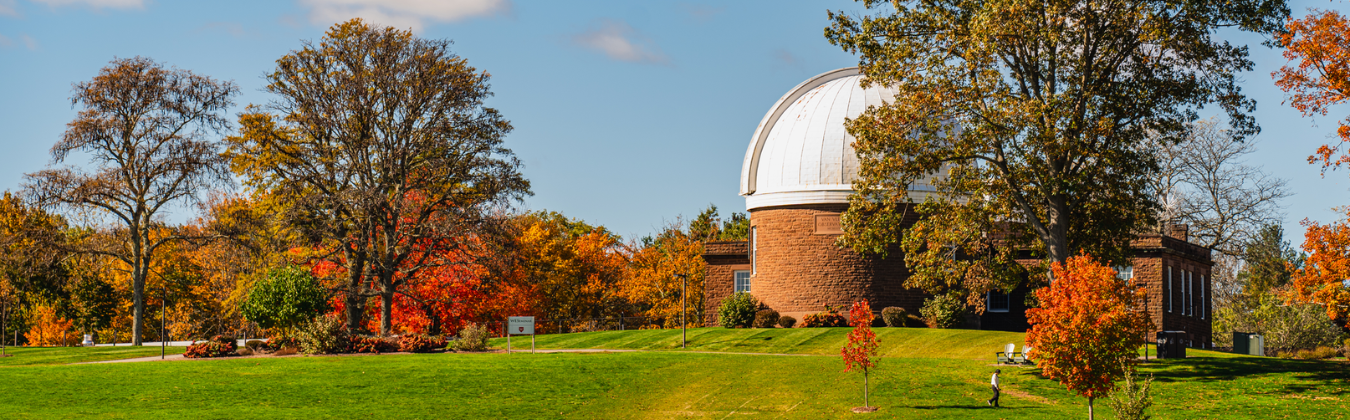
{"type": "Point", "coordinates": [787, 321]}
{"type": "Point", "coordinates": [285, 351]}
{"type": "Point", "coordinates": [1130, 399]}
{"type": "Point", "coordinates": [324, 335]}
{"type": "Point", "coordinates": [282, 342]}
{"type": "Point", "coordinates": [829, 318]}
{"type": "Point", "coordinates": [289, 297]}
{"type": "Point", "coordinates": [766, 318]}
{"type": "Point", "coordinates": [1319, 353]}
{"type": "Point", "coordinates": [218, 346]}
{"type": "Point", "coordinates": [473, 337]}
{"type": "Point", "coordinates": [368, 344]}
{"type": "Point", "coordinates": [420, 343]}
{"type": "Point", "coordinates": [944, 311]}
{"type": "Point", "coordinates": [244, 351]}
{"type": "Point", "coordinates": [255, 344]}
{"type": "Point", "coordinates": [894, 316]}
{"type": "Point", "coordinates": [737, 310]}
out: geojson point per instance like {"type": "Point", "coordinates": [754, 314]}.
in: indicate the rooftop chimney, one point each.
{"type": "Point", "coordinates": [1180, 231]}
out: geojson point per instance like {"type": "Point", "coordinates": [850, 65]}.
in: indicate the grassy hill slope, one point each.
{"type": "Point", "coordinates": [895, 342]}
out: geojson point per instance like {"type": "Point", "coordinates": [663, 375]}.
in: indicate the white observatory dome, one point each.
{"type": "Point", "coordinates": [800, 153]}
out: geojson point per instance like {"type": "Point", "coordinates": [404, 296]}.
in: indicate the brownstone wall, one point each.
{"type": "Point", "coordinates": [723, 258]}
{"type": "Point", "coordinates": [800, 272]}
{"type": "Point", "coordinates": [1153, 256]}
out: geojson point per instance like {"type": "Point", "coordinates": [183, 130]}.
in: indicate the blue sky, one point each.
{"type": "Point", "coordinates": [627, 114]}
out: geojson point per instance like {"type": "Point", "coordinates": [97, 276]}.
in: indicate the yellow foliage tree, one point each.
{"type": "Point", "coordinates": [49, 328]}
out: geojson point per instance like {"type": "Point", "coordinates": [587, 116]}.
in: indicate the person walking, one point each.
{"type": "Point", "coordinates": [993, 383]}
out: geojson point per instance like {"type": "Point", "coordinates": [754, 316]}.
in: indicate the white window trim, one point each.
{"type": "Point", "coordinates": [1169, 289]}
{"type": "Point", "coordinates": [749, 285]}
{"type": "Point", "coordinates": [989, 302]}
{"type": "Point", "coordinates": [1203, 304]}
{"type": "Point", "coordinates": [1190, 293]}
{"type": "Point", "coordinates": [754, 247]}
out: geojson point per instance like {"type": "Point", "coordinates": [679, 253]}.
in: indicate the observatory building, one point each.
{"type": "Point", "coordinates": [796, 179]}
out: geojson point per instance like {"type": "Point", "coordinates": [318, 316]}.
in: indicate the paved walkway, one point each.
{"type": "Point", "coordinates": [179, 357]}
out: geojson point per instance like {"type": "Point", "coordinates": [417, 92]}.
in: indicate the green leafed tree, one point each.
{"type": "Point", "coordinates": [1037, 113]}
{"type": "Point", "coordinates": [286, 299]}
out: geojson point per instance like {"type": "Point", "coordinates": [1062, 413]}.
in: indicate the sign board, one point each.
{"type": "Point", "coordinates": [520, 325]}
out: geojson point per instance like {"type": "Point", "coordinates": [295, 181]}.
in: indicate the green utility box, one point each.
{"type": "Point", "coordinates": [1249, 343]}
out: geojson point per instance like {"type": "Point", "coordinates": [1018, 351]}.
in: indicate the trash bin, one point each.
{"type": "Point", "coordinates": [1249, 343]}
{"type": "Point", "coordinates": [1171, 344]}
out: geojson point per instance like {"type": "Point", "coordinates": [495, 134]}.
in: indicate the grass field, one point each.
{"type": "Point", "coordinates": [25, 356]}
{"type": "Point", "coordinates": [916, 382]}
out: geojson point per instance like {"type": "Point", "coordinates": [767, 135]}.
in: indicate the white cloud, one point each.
{"type": "Point", "coordinates": [414, 14]}
{"type": "Point", "coordinates": [621, 42]}
{"type": "Point", "coordinates": [7, 8]}
{"type": "Point", "coordinates": [96, 4]}
{"type": "Point", "coordinates": [701, 12]}
{"type": "Point", "coordinates": [29, 42]}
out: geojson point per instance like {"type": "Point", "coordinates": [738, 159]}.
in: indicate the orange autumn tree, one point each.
{"type": "Point", "coordinates": [1323, 277]}
{"type": "Point", "coordinates": [861, 350]}
{"type": "Point", "coordinates": [1088, 323]}
{"type": "Point", "coordinates": [49, 328]}
{"type": "Point", "coordinates": [652, 283]}
{"type": "Point", "coordinates": [1318, 77]}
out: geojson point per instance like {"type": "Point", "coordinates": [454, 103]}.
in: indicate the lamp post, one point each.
{"type": "Point", "coordinates": [684, 301]}
{"type": "Point", "coordinates": [163, 310]}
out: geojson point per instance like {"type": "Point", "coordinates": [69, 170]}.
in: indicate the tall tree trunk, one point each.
{"type": "Point", "coordinates": [354, 301]}
{"type": "Point", "coordinates": [1089, 408]}
{"type": "Point", "coordinates": [386, 310]}
{"type": "Point", "coordinates": [138, 273]}
{"type": "Point", "coordinates": [1057, 227]}
{"type": "Point", "coordinates": [435, 327]}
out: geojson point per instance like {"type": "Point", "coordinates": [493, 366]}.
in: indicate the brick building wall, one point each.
{"type": "Point", "coordinates": [1191, 310]}
{"type": "Point", "coordinates": [799, 268]}
{"type": "Point", "coordinates": [724, 258]}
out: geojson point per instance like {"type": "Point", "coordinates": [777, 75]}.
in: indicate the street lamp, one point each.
{"type": "Point", "coordinates": [684, 322]}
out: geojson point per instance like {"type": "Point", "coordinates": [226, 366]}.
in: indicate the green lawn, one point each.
{"type": "Point", "coordinates": [24, 356]}
{"type": "Point", "coordinates": [657, 384]}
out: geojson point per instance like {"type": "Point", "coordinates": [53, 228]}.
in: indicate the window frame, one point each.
{"type": "Point", "coordinates": [989, 302]}
{"type": "Point", "coordinates": [735, 282]}
{"type": "Point", "coordinates": [1169, 289]}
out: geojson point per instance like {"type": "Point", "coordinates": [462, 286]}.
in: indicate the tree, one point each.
{"type": "Point", "coordinates": [1036, 113]}
{"type": "Point", "coordinates": [1089, 324]}
{"type": "Point", "coordinates": [383, 143]}
{"type": "Point", "coordinates": [651, 283]}
{"type": "Point", "coordinates": [1323, 277]}
{"type": "Point", "coordinates": [146, 129]}
{"type": "Point", "coordinates": [1319, 43]}
{"type": "Point", "coordinates": [1270, 261]}
{"type": "Point", "coordinates": [1204, 183]}
{"type": "Point", "coordinates": [288, 298]}
{"type": "Point", "coordinates": [861, 350]}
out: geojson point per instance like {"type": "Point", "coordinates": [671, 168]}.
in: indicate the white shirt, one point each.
{"type": "Point", "coordinates": [993, 380]}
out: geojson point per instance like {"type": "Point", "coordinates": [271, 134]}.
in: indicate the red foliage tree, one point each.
{"type": "Point", "coordinates": [861, 350]}
{"type": "Point", "coordinates": [1323, 277]}
{"type": "Point", "coordinates": [1089, 321]}
{"type": "Point", "coordinates": [1318, 49]}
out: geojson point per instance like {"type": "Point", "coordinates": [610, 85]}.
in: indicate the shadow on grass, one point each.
{"type": "Point", "coordinates": [1311, 374]}
{"type": "Point", "coordinates": [961, 407]}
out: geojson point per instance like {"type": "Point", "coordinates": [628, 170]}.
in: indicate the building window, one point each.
{"type": "Point", "coordinates": [1169, 289]}
{"type": "Point", "coordinates": [742, 281]}
{"type": "Point", "coordinates": [1125, 272]}
{"type": "Point", "coordinates": [996, 302]}
{"type": "Point", "coordinates": [1190, 293]}
{"type": "Point", "coordinates": [754, 246]}
{"type": "Point", "coordinates": [1203, 303]}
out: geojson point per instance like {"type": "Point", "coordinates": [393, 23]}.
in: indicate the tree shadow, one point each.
{"type": "Point", "coordinates": [1312, 374]}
